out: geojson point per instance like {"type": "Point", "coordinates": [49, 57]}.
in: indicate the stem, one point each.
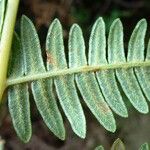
{"type": "Point", "coordinates": [2, 13]}
{"type": "Point", "coordinates": [62, 72]}
{"type": "Point", "coordinates": [6, 41]}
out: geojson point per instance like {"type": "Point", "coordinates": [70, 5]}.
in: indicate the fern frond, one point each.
{"type": "Point", "coordinates": [96, 77]}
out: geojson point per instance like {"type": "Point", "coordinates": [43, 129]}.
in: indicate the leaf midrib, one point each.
{"type": "Point", "coordinates": [58, 72]}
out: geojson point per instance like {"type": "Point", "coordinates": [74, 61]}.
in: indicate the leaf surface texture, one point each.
{"type": "Point", "coordinates": [97, 73]}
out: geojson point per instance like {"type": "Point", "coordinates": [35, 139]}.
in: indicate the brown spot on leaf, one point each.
{"type": "Point", "coordinates": [50, 58]}
{"type": "Point", "coordinates": [105, 109]}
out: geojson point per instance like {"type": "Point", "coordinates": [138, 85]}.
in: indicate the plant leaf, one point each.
{"type": "Point", "coordinates": [99, 148]}
{"type": "Point", "coordinates": [118, 145]}
{"type": "Point", "coordinates": [18, 95]}
{"type": "Point", "coordinates": [99, 79]}
{"type": "Point", "coordinates": [144, 146]}
{"type": "Point", "coordinates": [136, 43]}
{"type": "Point", "coordinates": [97, 44]}
{"type": "Point", "coordinates": [65, 86]}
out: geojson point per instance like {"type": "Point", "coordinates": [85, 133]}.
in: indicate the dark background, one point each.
{"type": "Point", "coordinates": [134, 130]}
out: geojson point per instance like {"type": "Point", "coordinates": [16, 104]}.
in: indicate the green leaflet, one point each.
{"type": "Point", "coordinates": [65, 85]}
{"type": "Point", "coordinates": [19, 108]}
{"type": "Point", "coordinates": [31, 48]}
{"type": "Point", "coordinates": [16, 66]}
{"type": "Point", "coordinates": [55, 47]}
{"type": "Point", "coordinates": [18, 95]}
{"type": "Point", "coordinates": [43, 89]}
{"type": "Point", "coordinates": [106, 78]}
{"type": "Point", "coordinates": [2, 13]}
{"type": "Point", "coordinates": [136, 43]}
{"type": "Point", "coordinates": [87, 83]}
{"type": "Point", "coordinates": [144, 146]}
{"type": "Point", "coordinates": [47, 106]}
{"type": "Point", "coordinates": [97, 44]}
{"type": "Point", "coordinates": [99, 148]}
{"type": "Point", "coordinates": [115, 43]}
{"type": "Point", "coordinates": [118, 145]}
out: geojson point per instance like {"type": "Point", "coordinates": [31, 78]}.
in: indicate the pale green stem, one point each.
{"type": "Point", "coordinates": [2, 12]}
{"type": "Point", "coordinates": [6, 41]}
{"type": "Point", "coordinates": [62, 72]}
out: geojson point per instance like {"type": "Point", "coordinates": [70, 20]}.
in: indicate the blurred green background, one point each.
{"type": "Point", "coordinates": [134, 130]}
